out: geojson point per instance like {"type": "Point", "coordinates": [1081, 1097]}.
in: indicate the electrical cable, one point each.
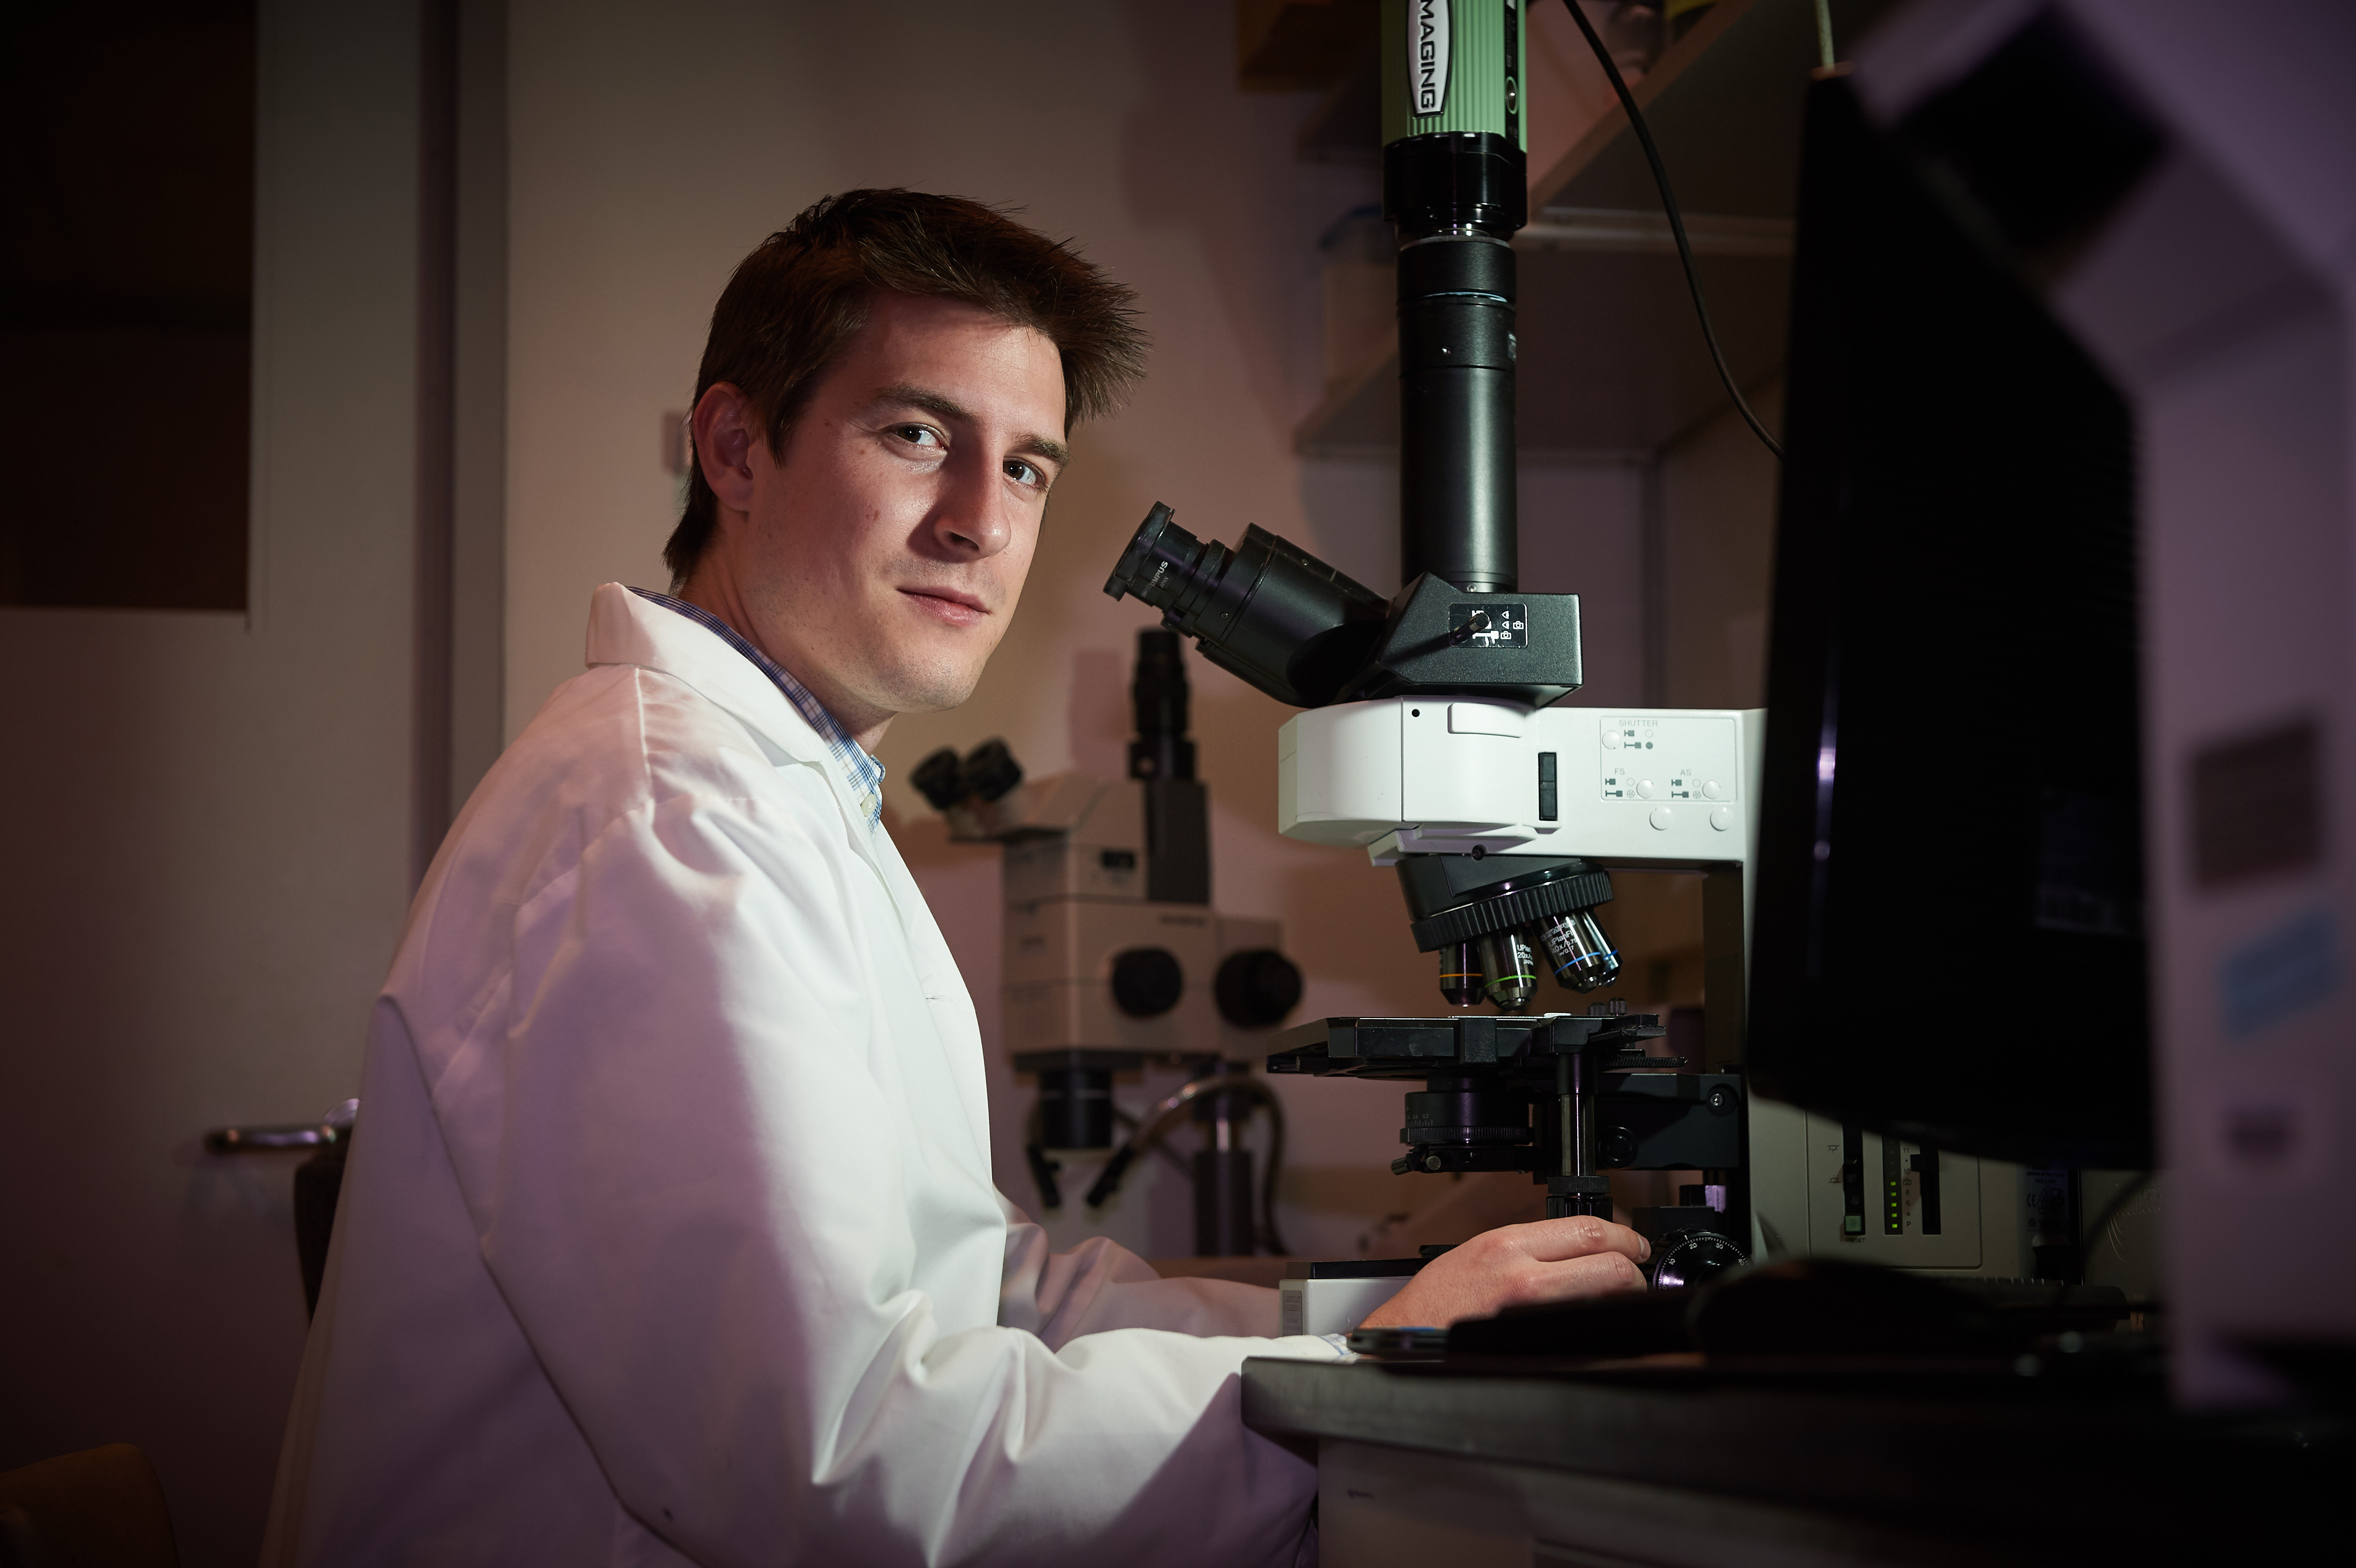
{"type": "Point", "coordinates": [2086, 1238]}
{"type": "Point", "coordinates": [1268, 1237]}
{"type": "Point", "coordinates": [1676, 225]}
{"type": "Point", "coordinates": [1147, 1133]}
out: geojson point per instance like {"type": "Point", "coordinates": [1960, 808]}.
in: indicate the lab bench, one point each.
{"type": "Point", "coordinates": [1671, 1463]}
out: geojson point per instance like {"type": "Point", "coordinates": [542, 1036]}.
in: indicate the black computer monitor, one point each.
{"type": "Point", "coordinates": [1948, 927]}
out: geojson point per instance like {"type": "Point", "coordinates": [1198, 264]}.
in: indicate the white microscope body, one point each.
{"type": "Point", "coordinates": [1653, 789]}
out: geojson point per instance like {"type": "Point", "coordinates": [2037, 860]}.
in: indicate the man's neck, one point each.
{"type": "Point", "coordinates": [715, 592]}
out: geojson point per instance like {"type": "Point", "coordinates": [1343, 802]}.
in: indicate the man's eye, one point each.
{"type": "Point", "coordinates": [918, 435]}
{"type": "Point", "coordinates": [1023, 473]}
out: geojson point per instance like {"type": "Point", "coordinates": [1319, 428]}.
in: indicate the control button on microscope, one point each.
{"type": "Point", "coordinates": [1647, 790]}
{"type": "Point", "coordinates": [1713, 790]}
{"type": "Point", "coordinates": [1722, 818]}
{"type": "Point", "coordinates": [1662, 816]}
{"type": "Point", "coordinates": [1611, 740]}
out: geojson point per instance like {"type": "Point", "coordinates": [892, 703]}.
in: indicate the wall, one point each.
{"type": "Point", "coordinates": [653, 150]}
{"type": "Point", "coordinates": [206, 822]}
{"type": "Point", "coordinates": [1717, 505]}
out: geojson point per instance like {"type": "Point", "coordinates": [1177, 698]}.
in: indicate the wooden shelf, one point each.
{"type": "Point", "coordinates": [1612, 359]}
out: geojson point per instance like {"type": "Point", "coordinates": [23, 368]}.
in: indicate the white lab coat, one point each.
{"type": "Point", "coordinates": [669, 1233]}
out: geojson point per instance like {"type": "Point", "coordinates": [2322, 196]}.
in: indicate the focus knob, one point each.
{"type": "Point", "coordinates": [1255, 987]}
{"type": "Point", "coordinates": [1683, 1258]}
{"type": "Point", "coordinates": [1147, 982]}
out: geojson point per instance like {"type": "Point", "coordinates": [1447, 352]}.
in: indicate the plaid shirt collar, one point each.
{"type": "Point", "coordinates": [866, 774]}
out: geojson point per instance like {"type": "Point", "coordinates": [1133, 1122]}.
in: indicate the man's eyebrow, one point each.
{"type": "Point", "coordinates": [948, 408]}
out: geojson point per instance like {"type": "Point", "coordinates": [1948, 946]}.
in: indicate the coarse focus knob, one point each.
{"type": "Point", "coordinates": [1255, 987]}
{"type": "Point", "coordinates": [1683, 1258]}
{"type": "Point", "coordinates": [1147, 982]}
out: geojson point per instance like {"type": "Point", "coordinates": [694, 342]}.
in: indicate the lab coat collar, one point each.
{"type": "Point", "coordinates": [624, 629]}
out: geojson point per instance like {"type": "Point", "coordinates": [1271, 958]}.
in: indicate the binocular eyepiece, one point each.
{"type": "Point", "coordinates": [1274, 615]}
{"type": "Point", "coordinates": [987, 772]}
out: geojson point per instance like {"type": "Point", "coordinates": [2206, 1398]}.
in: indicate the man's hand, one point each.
{"type": "Point", "coordinates": [1516, 1265]}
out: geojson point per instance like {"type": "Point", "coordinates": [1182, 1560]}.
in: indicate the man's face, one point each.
{"type": "Point", "coordinates": [880, 557]}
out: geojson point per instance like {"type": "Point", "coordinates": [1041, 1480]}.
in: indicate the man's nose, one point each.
{"type": "Point", "coordinates": [970, 517]}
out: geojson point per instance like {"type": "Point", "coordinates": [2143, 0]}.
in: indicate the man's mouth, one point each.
{"type": "Point", "coordinates": [952, 606]}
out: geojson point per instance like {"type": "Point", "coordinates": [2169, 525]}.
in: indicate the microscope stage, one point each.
{"type": "Point", "coordinates": [1413, 1047]}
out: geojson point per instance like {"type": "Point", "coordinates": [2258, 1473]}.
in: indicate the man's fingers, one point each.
{"type": "Point", "coordinates": [1598, 1273]}
{"type": "Point", "coordinates": [1579, 1236]}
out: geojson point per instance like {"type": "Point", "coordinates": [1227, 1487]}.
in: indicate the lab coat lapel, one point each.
{"type": "Point", "coordinates": [625, 629]}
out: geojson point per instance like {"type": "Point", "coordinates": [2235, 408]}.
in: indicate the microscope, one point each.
{"type": "Point", "coordinates": [1431, 738]}
{"type": "Point", "coordinates": [1115, 961]}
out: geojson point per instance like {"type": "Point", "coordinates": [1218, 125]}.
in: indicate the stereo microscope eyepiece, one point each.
{"type": "Point", "coordinates": [1274, 615]}
{"type": "Point", "coordinates": [1577, 950]}
{"type": "Point", "coordinates": [939, 780]}
{"type": "Point", "coordinates": [989, 773]}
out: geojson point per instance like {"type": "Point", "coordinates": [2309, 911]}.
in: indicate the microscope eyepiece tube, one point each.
{"type": "Point", "coordinates": [1268, 612]}
{"type": "Point", "coordinates": [1581, 955]}
{"type": "Point", "coordinates": [1457, 505]}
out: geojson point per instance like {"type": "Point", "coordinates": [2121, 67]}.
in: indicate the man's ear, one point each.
{"type": "Point", "coordinates": [725, 433]}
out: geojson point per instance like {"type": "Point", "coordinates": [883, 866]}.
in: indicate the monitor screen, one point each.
{"type": "Point", "coordinates": [1948, 925]}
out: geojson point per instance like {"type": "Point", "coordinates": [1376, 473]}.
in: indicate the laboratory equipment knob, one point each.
{"type": "Point", "coordinates": [1147, 982]}
{"type": "Point", "coordinates": [1684, 1258]}
{"type": "Point", "coordinates": [1255, 987]}
{"type": "Point", "coordinates": [1618, 1147]}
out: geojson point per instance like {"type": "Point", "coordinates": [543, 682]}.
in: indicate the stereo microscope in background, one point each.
{"type": "Point", "coordinates": [1117, 968]}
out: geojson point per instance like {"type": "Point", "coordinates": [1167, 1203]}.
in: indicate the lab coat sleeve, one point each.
{"type": "Point", "coordinates": [1098, 1285]}
{"type": "Point", "coordinates": [688, 1184]}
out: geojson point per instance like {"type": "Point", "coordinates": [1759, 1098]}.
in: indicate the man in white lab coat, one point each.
{"type": "Point", "coordinates": [669, 1233]}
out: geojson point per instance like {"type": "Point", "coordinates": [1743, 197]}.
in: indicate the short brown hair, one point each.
{"type": "Point", "coordinates": [795, 303]}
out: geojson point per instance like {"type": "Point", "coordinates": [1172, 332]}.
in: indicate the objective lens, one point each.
{"type": "Point", "coordinates": [1274, 615]}
{"type": "Point", "coordinates": [1511, 969]}
{"type": "Point", "coordinates": [1460, 974]}
{"type": "Point", "coordinates": [1577, 951]}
